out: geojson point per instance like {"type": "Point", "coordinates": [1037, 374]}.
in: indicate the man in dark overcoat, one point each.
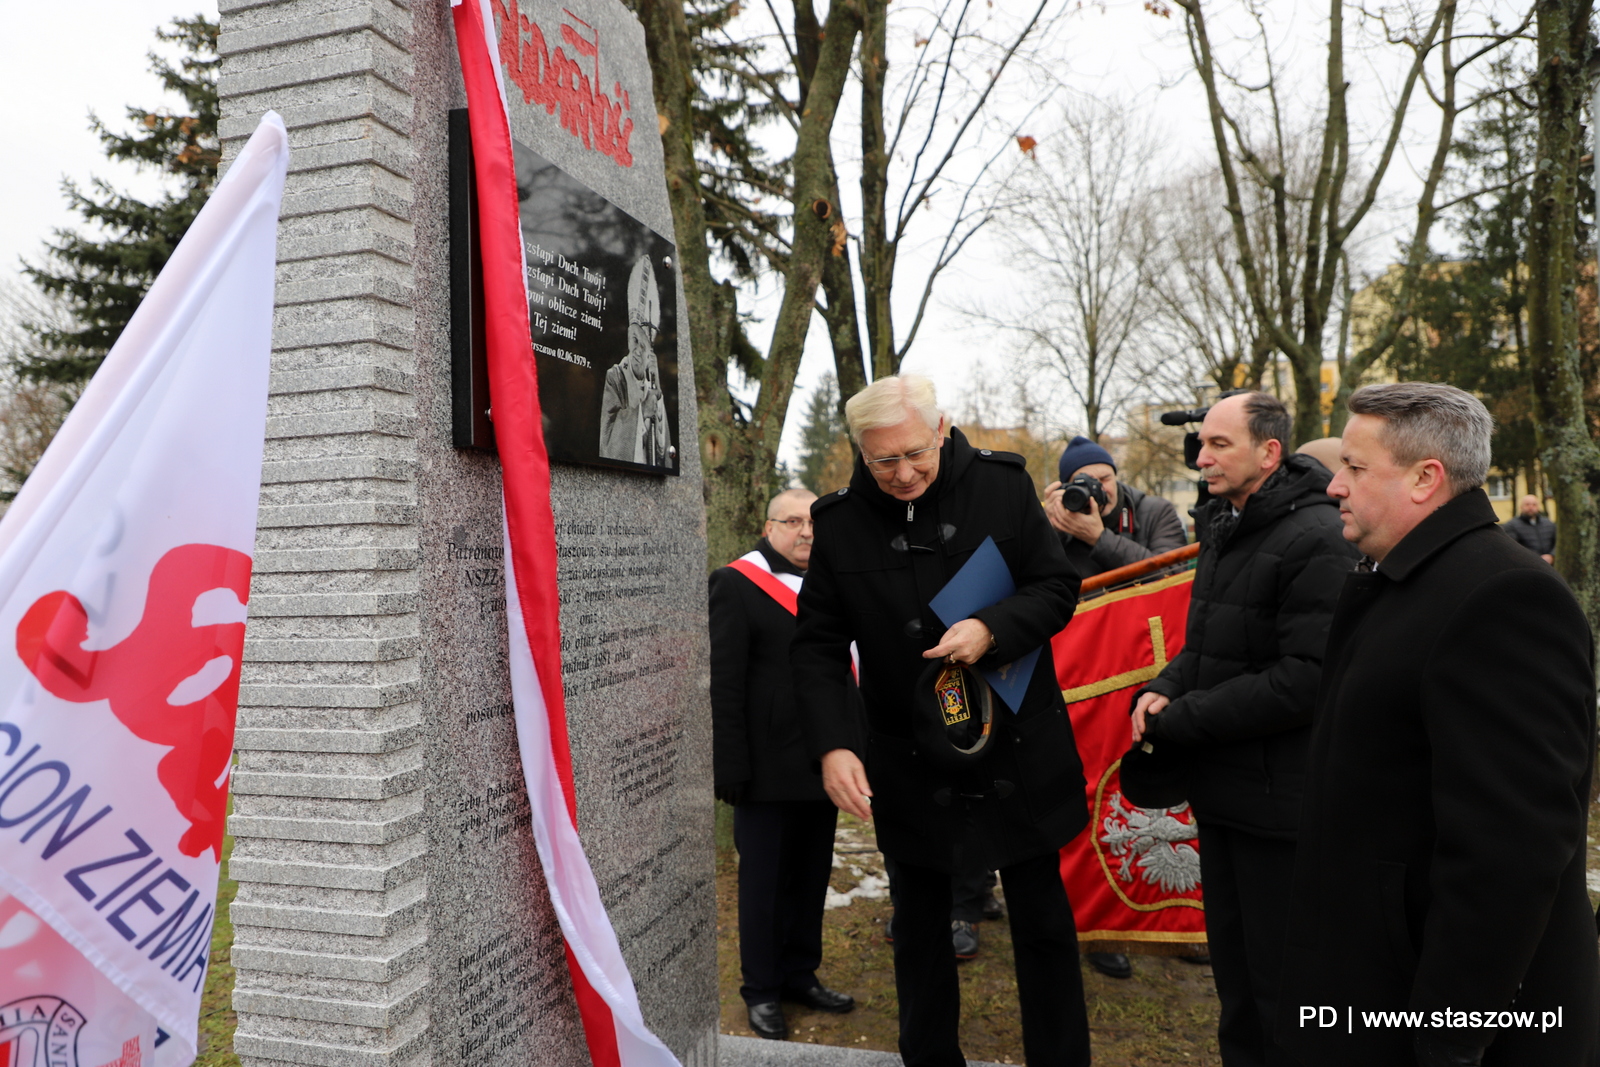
{"type": "Point", "coordinates": [1236, 703]}
{"type": "Point", "coordinates": [782, 820]}
{"type": "Point", "coordinates": [1533, 529]}
{"type": "Point", "coordinates": [917, 507]}
{"type": "Point", "coordinates": [1440, 875]}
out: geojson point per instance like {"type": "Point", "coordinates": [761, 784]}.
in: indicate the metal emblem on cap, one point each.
{"type": "Point", "coordinates": [951, 689]}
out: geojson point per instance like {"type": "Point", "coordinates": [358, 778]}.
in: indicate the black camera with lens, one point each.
{"type": "Point", "coordinates": [1082, 493]}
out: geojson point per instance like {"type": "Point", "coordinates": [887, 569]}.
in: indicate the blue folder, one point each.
{"type": "Point", "coordinates": [984, 580]}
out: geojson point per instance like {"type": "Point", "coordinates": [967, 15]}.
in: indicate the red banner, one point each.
{"type": "Point", "coordinates": [1133, 875]}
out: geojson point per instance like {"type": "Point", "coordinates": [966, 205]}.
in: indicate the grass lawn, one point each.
{"type": "Point", "coordinates": [216, 1004]}
{"type": "Point", "coordinates": [1165, 1014]}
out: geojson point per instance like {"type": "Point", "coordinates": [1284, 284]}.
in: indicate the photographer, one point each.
{"type": "Point", "coordinates": [1105, 524]}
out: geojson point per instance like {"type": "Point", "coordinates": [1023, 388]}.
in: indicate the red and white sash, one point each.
{"type": "Point", "coordinates": [784, 588]}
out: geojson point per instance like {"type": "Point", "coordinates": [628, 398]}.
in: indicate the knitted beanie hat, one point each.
{"type": "Point", "coordinates": [1081, 452]}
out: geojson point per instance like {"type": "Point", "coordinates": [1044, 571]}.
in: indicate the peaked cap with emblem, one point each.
{"type": "Point", "coordinates": [954, 715]}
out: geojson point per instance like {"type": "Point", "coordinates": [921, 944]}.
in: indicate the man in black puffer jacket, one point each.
{"type": "Point", "coordinates": [1238, 700]}
{"type": "Point", "coordinates": [1533, 530]}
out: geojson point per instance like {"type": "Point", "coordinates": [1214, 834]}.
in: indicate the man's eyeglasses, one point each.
{"type": "Point", "coordinates": [793, 524]}
{"type": "Point", "coordinates": [920, 460]}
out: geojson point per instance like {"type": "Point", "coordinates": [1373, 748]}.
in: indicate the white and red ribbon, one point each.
{"type": "Point", "coordinates": [784, 588]}
{"type": "Point", "coordinates": [614, 1027]}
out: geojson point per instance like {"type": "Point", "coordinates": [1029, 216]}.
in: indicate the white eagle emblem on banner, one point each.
{"type": "Point", "coordinates": [1153, 839]}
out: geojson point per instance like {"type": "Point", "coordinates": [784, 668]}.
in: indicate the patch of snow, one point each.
{"type": "Point", "coordinates": [871, 887]}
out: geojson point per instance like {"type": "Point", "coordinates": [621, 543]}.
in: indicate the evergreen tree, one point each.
{"type": "Point", "coordinates": [743, 188]}
{"type": "Point", "coordinates": [30, 411]}
{"type": "Point", "coordinates": [822, 427]}
{"type": "Point", "coordinates": [737, 174]}
{"type": "Point", "coordinates": [1469, 325]}
{"type": "Point", "coordinates": [101, 280]}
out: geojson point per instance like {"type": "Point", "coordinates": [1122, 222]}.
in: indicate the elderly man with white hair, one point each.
{"type": "Point", "coordinates": [1439, 914]}
{"type": "Point", "coordinates": [946, 796]}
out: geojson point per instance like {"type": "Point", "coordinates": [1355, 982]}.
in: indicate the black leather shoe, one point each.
{"type": "Point", "coordinates": [1110, 964]}
{"type": "Point", "coordinates": [1202, 960]}
{"type": "Point", "coordinates": [767, 1021]}
{"type": "Point", "coordinates": [821, 998]}
{"type": "Point", "coordinates": [888, 930]}
{"type": "Point", "coordinates": [964, 939]}
{"type": "Point", "coordinates": [993, 910]}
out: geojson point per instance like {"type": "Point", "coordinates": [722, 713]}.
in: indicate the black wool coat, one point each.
{"type": "Point", "coordinates": [756, 736]}
{"type": "Point", "coordinates": [876, 565]}
{"type": "Point", "coordinates": [1441, 855]}
{"type": "Point", "coordinates": [1537, 535]}
{"type": "Point", "coordinates": [1244, 687]}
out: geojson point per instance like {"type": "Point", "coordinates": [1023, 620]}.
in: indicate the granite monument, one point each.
{"type": "Point", "coordinates": [391, 909]}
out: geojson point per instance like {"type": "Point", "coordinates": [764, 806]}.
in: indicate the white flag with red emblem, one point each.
{"type": "Point", "coordinates": [124, 576]}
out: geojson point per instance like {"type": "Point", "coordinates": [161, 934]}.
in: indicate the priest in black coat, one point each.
{"type": "Point", "coordinates": [918, 506]}
{"type": "Point", "coordinates": [782, 820]}
{"type": "Point", "coordinates": [1440, 873]}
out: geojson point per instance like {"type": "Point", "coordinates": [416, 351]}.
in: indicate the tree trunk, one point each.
{"type": "Point", "coordinates": [1570, 457]}
{"type": "Point", "coordinates": [841, 315]}
{"type": "Point", "coordinates": [728, 464]}
{"type": "Point", "coordinates": [844, 328]}
{"type": "Point", "coordinates": [838, 284]}
{"type": "Point", "coordinates": [739, 458]}
{"type": "Point", "coordinates": [818, 224]}
{"type": "Point", "coordinates": [877, 251]}
{"type": "Point", "coordinates": [1307, 375]}
{"type": "Point", "coordinates": [672, 71]}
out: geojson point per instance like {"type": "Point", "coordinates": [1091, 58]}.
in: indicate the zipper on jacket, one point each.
{"type": "Point", "coordinates": [911, 511]}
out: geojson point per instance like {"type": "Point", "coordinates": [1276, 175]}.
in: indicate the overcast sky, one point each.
{"type": "Point", "coordinates": [1114, 48]}
{"type": "Point", "coordinates": [55, 68]}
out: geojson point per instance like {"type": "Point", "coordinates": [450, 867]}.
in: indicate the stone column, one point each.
{"type": "Point", "coordinates": [331, 921]}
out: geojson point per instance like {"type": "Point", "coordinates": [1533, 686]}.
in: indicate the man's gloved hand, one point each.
{"type": "Point", "coordinates": [731, 792]}
{"type": "Point", "coordinates": [1432, 1052]}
